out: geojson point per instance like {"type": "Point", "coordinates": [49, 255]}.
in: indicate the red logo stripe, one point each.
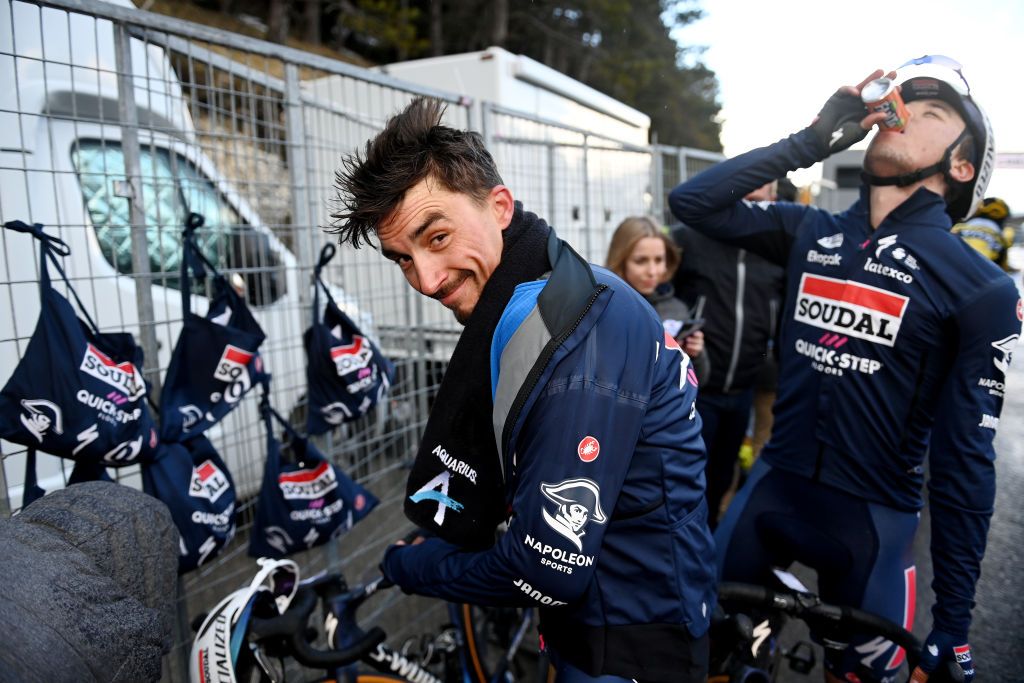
{"type": "Point", "coordinates": [853, 293]}
{"type": "Point", "coordinates": [108, 361]}
{"type": "Point", "coordinates": [354, 347]}
{"type": "Point", "coordinates": [909, 604]}
{"type": "Point", "coordinates": [237, 355]}
{"type": "Point", "coordinates": [910, 578]}
{"type": "Point", "coordinates": [206, 470]}
{"type": "Point", "coordinates": [303, 476]}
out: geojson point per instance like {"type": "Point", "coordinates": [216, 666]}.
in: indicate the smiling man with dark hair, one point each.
{"type": "Point", "coordinates": [567, 402]}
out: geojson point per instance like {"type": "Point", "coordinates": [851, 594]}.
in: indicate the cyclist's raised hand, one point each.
{"type": "Point", "coordinates": [844, 120]}
{"type": "Point", "coordinates": [940, 647]}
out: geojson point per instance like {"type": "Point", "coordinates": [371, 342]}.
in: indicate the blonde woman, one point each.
{"type": "Point", "coordinates": [643, 255]}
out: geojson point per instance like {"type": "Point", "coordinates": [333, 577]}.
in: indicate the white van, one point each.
{"type": "Point", "coordinates": [62, 164]}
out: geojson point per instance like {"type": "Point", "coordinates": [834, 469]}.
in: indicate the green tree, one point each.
{"type": "Point", "coordinates": [625, 50]}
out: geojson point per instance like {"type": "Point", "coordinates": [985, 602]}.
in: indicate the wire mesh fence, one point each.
{"type": "Point", "coordinates": [118, 123]}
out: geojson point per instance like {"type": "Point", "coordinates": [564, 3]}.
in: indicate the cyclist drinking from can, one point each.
{"type": "Point", "coordinates": [895, 343]}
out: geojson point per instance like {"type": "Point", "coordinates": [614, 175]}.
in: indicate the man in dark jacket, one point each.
{"type": "Point", "coordinates": [565, 410]}
{"type": "Point", "coordinates": [895, 344]}
{"type": "Point", "coordinates": [739, 295]}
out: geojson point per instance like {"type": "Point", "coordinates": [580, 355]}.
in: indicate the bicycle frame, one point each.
{"type": "Point", "coordinates": [462, 661]}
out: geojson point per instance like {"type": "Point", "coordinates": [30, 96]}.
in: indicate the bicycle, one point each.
{"type": "Point", "coordinates": [745, 652]}
{"type": "Point", "coordinates": [273, 623]}
{"type": "Point", "coordinates": [243, 635]}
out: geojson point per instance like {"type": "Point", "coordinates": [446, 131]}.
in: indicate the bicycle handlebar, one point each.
{"type": "Point", "coordinates": [810, 609]}
{"type": "Point", "coordinates": [290, 628]}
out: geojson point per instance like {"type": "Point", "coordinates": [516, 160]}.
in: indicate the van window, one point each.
{"type": "Point", "coordinates": [171, 188]}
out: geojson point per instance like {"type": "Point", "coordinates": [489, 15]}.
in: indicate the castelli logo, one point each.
{"type": "Point", "coordinates": [588, 449]}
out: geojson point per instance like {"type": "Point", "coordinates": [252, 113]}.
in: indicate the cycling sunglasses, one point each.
{"type": "Point", "coordinates": [281, 577]}
{"type": "Point", "coordinates": [938, 66]}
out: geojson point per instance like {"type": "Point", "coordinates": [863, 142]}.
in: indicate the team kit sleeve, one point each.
{"type": "Point", "coordinates": [962, 457]}
{"type": "Point", "coordinates": [711, 202]}
{"type": "Point", "coordinates": [572, 456]}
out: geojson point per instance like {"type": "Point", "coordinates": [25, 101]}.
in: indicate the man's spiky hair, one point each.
{"type": "Point", "coordinates": [413, 146]}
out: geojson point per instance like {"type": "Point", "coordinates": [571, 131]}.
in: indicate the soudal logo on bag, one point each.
{"type": "Point", "coordinates": [351, 357]}
{"type": "Point", "coordinates": [232, 364]}
{"type": "Point", "coordinates": [208, 482]}
{"type": "Point", "coordinates": [850, 308]}
{"type": "Point", "coordinates": [308, 484]}
{"type": "Point", "coordinates": [124, 377]}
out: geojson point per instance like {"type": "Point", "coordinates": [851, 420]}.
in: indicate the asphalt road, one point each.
{"type": "Point", "coordinates": [997, 632]}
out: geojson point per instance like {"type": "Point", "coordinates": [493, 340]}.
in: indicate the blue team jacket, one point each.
{"type": "Point", "coordinates": [594, 414]}
{"type": "Point", "coordinates": [894, 342]}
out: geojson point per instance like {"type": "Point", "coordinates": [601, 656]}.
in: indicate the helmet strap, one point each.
{"type": "Point", "coordinates": [904, 179]}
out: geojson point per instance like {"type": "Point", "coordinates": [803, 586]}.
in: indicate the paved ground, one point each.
{"type": "Point", "coordinates": [997, 634]}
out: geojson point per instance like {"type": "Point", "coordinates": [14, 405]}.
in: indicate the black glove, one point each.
{"type": "Point", "coordinates": [838, 124]}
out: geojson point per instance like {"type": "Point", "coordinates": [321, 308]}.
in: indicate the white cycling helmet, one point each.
{"type": "Point", "coordinates": [220, 653]}
{"type": "Point", "coordinates": [940, 77]}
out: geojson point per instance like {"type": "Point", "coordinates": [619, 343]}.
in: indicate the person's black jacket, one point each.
{"type": "Point", "coordinates": [739, 295]}
{"type": "Point", "coordinates": [669, 307]}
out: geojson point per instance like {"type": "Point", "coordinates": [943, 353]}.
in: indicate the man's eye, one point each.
{"type": "Point", "coordinates": [438, 239]}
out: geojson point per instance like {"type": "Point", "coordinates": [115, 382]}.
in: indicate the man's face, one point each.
{"type": "Point", "coordinates": [577, 515]}
{"type": "Point", "coordinates": [932, 127]}
{"type": "Point", "coordinates": [446, 243]}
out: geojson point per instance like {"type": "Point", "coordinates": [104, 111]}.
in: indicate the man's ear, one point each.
{"type": "Point", "coordinates": [502, 204]}
{"type": "Point", "coordinates": [960, 169]}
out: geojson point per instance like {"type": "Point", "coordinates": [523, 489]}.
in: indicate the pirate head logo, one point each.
{"type": "Point", "coordinates": [190, 416]}
{"type": "Point", "coordinates": [1004, 348]}
{"type": "Point", "coordinates": [278, 539]}
{"type": "Point", "coordinates": [577, 502]}
{"type": "Point", "coordinates": [41, 416]}
{"type": "Point", "coordinates": [335, 413]}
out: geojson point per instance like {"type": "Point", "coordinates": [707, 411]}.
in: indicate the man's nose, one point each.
{"type": "Point", "coordinates": [430, 276]}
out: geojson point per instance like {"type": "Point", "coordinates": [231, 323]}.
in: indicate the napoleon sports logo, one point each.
{"type": "Point", "coordinates": [576, 503]}
{"type": "Point", "coordinates": [308, 484]}
{"type": "Point", "coordinates": [1004, 348]}
{"type": "Point", "coordinates": [850, 308]}
{"type": "Point", "coordinates": [124, 377]}
{"type": "Point", "coordinates": [42, 416]}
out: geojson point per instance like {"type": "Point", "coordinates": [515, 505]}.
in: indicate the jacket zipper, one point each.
{"type": "Point", "coordinates": [741, 283]}
{"type": "Point", "coordinates": [538, 370]}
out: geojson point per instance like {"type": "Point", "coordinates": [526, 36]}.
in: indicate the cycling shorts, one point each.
{"type": "Point", "coordinates": [862, 553]}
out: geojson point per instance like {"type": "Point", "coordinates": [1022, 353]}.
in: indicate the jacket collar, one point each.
{"type": "Point", "coordinates": [923, 208]}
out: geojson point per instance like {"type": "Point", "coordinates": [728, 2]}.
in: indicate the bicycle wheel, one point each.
{"type": "Point", "coordinates": [367, 678]}
{"type": "Point", "coordinates": [500, 641]}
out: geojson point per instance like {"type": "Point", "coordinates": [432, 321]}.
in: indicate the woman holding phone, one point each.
{"type": "Point", "coordinates": [643, 255]}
